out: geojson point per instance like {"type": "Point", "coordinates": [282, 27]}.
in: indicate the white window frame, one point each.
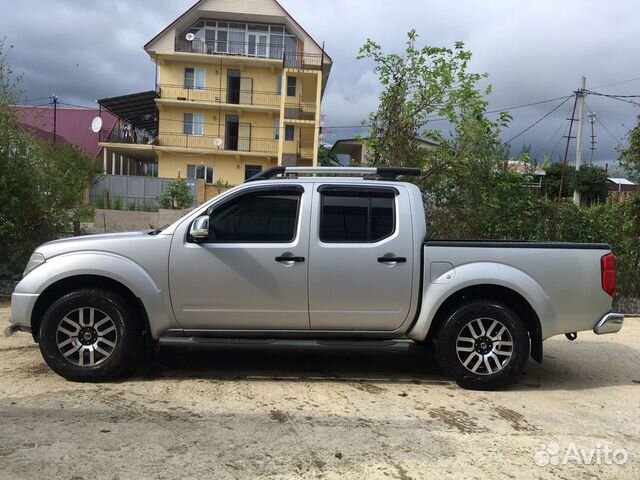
{"type": "Point", "coordinates": [202, 172]}
{"type": "Point", "coordinates": [196, 119]}
{"type": "Point", "coordinates": [194, 82]}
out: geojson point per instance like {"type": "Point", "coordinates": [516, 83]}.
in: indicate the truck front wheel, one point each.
{"type": "Point", "coordinates": [483, 345]}
{"type": "Point", "coordinates": [90, 335]}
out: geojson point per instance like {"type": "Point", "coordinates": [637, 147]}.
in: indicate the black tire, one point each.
{"type": "Point", "coordinates": [456, 337]}
{"type": "Point", "coordinates": [86, 363]}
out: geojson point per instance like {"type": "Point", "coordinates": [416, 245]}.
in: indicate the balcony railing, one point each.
{"type": "Point", "coordinates": [243, 49]}
{"type": "Point", "coordinates": [290, 59]}
{"type": "Point", "coordinates": [220, 95]}
{"type": "Point", "coordinates": [230, 143]}
{"type": "Point", "coordinates": [303, 61]}
{"type": "Point", "coordinates": [124, 133]}
{"type": "Point", "coordinates": [300, 111]}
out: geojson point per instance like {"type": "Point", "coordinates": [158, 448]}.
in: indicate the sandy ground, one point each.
{"type": "Point", "coordinates": [321, 415]}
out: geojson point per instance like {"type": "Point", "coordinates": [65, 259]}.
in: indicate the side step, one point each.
{"type": "Point", "coordinates": [280, 344]}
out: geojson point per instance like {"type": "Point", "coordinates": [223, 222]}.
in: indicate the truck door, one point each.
{"type": "Point", "coordinates": [360, 258]}
{"type": "Point", "coordinates": [251, 273]}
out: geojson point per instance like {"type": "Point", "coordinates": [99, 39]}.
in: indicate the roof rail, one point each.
{"type": "Point", "coordinates": [382, 173]}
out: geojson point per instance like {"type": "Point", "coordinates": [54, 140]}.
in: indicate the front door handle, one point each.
{"type": "Point", "coordinates": [284, 259]}
{"type": "Point", "coordinates": [392, 260]}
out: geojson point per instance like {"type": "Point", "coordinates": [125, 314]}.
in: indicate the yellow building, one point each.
{"type": "Point", "coordinates": [239, 89]}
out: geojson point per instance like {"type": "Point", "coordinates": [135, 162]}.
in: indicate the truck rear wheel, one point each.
{"type": "Point", "coordinates": [90, 335]}
{"type": "Point", "coordinates": [483, 345]}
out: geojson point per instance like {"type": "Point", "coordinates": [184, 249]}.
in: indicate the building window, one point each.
{"type": "Point", "coordinates": [251, 171]}
{"type": "Point", "coordinates": [195, 78]}
{"type": "Point", "coordinates": [292, 82]}
{"type": "Point", "coordinates": [240, 38]}
{"type": "Point", "coordinates": [289, 133]}
{"type": "Point", "coordinates": [279, 84]}
{"type": "Point", "coordinates": [277, 129]}
{"type": "Point", "coordinates": [197, 172]}
{"type": "Point", "coordinates": [357, 217]}
{"type": "Point", "coordinates": [193, 124]}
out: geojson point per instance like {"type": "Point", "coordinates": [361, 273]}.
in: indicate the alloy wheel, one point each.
{"type": "Point", "coordinates": [86, 336]}
{"type": "Point", "coordinates": [484, 346]}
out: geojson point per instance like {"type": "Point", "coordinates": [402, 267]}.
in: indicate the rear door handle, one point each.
{"type": "Point", "coordinates": [284, 259]}
{"type": "Point", "coordinates": [392, 260]}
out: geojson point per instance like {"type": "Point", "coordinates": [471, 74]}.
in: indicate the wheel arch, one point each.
{"type": "Point", "coordinates": [77, 282]}
{"type": "Point", "coordinates": [501, 294]}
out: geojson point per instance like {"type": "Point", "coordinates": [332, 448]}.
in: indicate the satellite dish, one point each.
{"type": "Point", "coordinates": [190, 36]}
{"type": "Point", "coordinates": [96, 125]}
{"type": "Point", "coordinates": [218, 142]}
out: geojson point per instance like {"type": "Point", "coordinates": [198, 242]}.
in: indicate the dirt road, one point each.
{"type": "Point", "coordinates": [323, 415]}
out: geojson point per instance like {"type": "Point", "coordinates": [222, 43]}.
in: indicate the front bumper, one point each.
{"type": "Point", "coordinates": [21, 308]}
{"type": "Point", "coordinates": [610, 323]}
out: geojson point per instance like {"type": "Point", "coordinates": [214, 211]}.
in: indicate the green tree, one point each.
{"type": "Point", "coordinates": [177, 195]}
{"type": "Point", "coordinates": [326, 158]}
{"type": "Point", "coordinates": [630, 156]}
{"type": "Point", "coordinates": [417, 85]}
{"type": "Point", "coordinates": [41, 184]}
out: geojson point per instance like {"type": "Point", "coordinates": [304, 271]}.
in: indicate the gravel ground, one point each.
{"type": "Point", "coordinates": [245, 414]}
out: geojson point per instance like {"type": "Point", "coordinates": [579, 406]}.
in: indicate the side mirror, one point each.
{"type": "Point", "coordinates": [200, 228]}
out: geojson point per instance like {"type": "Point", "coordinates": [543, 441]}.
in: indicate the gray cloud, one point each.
{"type": "Point", "coordinates": [532, 50]}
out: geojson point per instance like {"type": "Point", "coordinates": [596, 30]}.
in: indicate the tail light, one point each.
{"type": "Point", "coordinates": [608, 269]}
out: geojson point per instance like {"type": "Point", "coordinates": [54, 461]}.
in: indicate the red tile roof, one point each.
{"type": "Point", "coordinates": [73, 125]}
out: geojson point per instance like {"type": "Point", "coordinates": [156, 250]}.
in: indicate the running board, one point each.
{"type": "Point", "coordinates": [296, 344]}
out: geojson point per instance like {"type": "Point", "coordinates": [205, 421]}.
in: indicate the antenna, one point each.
{"type": "Point", "coordinates": [218, 143]}
{"type": "Point", "coordinates": [96, 125]}
{"type": "Point", "coordinates": [190, 37]}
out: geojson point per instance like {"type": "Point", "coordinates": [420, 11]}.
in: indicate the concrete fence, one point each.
{"type": "Point", "coordinates": [131, 190]}
{"type": "Point", "coordinates": [111, 221]}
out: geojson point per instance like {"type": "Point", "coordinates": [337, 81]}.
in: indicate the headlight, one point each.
{"type": "Point", "coordinates": [36, 260]}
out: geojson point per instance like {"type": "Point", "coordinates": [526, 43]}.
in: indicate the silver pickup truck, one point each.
{"type": "Point", "coordinates": [296, 257]}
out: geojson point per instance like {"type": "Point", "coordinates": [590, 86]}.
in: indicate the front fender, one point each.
{"type": "Point", "coordinates": [475, 274]}
{"type": "Point", "coordinates": [156, 301]}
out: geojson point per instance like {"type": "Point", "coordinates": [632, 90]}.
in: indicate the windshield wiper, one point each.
{"type": "Point", "coordinates": [158, 230]}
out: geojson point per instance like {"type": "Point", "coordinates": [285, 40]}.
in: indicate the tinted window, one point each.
{"type": "Point", "coordinates": [354, 217]}
{"type": "Point", "coordinates": [261, 217]}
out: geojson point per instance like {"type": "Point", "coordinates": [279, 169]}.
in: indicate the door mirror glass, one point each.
{"type": "Point", "coordinates": [200, 228]}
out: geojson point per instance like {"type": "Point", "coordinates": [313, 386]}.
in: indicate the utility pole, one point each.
{"type": "Point", "coordinates": [55, 116]}
{"type": "Point", "coordinates": [580, 96]}
{"type": "Point", "coordinates": [592, 117]}
{"type": "Point", "coordinates": [566, 149]}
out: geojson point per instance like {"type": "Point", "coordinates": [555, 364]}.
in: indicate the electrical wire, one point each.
{"type": "Point", "coordinates": [604, 126]}
{"type": "Point", "coordinates": [557, 130]}
{"type": "Point", "coordinates": [538, 121]}
{"type": "Point", "coordinates": [555, 147]}
{"type": "Point", "coordinates": [22, 102]}
{"type": "Point", "coordinates": [620, 98]}
{"type": "Point", "coordinates": [618, 83]}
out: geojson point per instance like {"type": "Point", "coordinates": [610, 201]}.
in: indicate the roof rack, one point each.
{"type": "Point", "coordinates": [382, 173]}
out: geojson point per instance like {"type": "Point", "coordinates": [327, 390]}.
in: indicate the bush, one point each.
{"type": "Point", "coordinates": [177, 195]}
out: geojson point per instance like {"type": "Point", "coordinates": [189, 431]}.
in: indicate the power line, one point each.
{"type": "Point", "coordinates": [620, 98]}
{"type": "Point", "coordinates": [605, 128]}
{"type": "Point", "coordinates": [538, 121]}
{"type": "Point", "coordinates": [33, 100]}
{"type": "Point", "coordinates": [557, 131]}
{"type": "Point", "coordinates": [618, 83]}
{"type": "Point", "coordinates": [559, 139]}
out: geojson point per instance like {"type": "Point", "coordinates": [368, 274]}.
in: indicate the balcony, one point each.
{"type": "Point", "coordinates": [300, 111]}
{"type": "Point", "coordinates": [124, 133]}
{"type": "Point", "coordinates": [267, 146]}
{"type": "Point", "coordinates": [264, 51]}
{"type": "Point", "coordinates": [220, 96]}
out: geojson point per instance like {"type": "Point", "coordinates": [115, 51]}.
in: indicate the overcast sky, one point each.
{"type": "Point", "coordinates": [533, 51]}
